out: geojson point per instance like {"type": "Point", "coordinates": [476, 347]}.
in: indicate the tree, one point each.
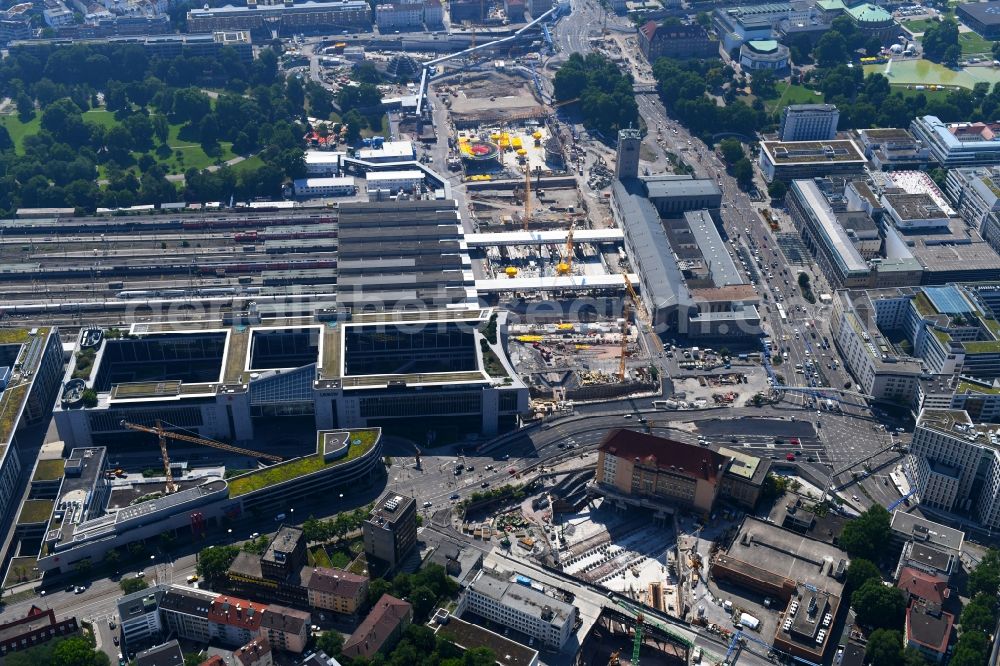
{"type": "Point", "coordinates": [866, 535]}
{"type": "Point", "coordinates": [831, 50]}
{"type": "Point", "coordinates": [78, 651]}
{"type": "Point", "coordinates": [979, 614]}
{"type": "Point", "coordinates": [860, 572]}
{"type": "Point", "coordinates": [132, 584]}
{"type": "Point", "coordinates": [777, 190]}
{"type": "Point", "coordinates": [972, 650]}
{"type": "Point", "coordinates": [732, 150]}
{"type": "Point", "coordinates": [331, 642]}
{"type": "Point", "coordinates": [743, 173]}
{"type": "Point", "coordinates": [25, 108]}
{"type": "Point", "coordinates": [214, 561]}
{"type": "Point", "coordinates": [6, 143]}
{"type": "Point", "coordinates": [938, 39]}
{"type": "Point", "coordinates": [885, 648]}
{"type": "Point", "coordinates": [355, 123]}
{"type": "Point", "coordinates": [913, 657]}
{"type": "Point", "coordinates": [985, 578]}
{"type": "Point", "coordinates": [879, 606]}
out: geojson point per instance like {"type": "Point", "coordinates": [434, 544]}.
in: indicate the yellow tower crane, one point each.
{"type": "Point", "coordinates": [621, 360]}
{"type": "Point", "coordinates": [164, 435]}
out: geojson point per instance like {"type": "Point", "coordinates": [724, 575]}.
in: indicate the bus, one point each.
{"type": "Point", "coordinates": [782, 313]}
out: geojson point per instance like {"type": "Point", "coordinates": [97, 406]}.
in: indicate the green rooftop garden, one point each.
{"type": "Point", "coordinates": [49, 470]}
{"type": "Point", "coordinates": [982, 347]}
{"type": "Point", "coordinates": [992, 325]}
{"type": "Point", "coordinates": [10, 405]}
{"type": "Point", "coordinates": [9, 336]}
{"type": "Point", "coordinates": [975, 387]}
{"type": "Point", "coordinates": [35, 511]}
{"type": "Point", "coordinates": [361, 442]}
{"type": "Point", "coordinates": [941, 335]}
{"type": "Point", "coordinates": [988, 182]}
{"type": "Point", "coordinates": [22, 570]}
{"type": "Point", "coordinates": [923, 304]}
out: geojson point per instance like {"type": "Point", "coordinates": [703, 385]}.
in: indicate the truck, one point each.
{"type": "Point", "coordinates": [749, 621]}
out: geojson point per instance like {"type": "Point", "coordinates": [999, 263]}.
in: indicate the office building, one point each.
{"type": "Point", "coordinates": [893, 149]}
{"type": "Point", "coordinates": [959, 144]}
{"type": "Point", "coordinates": [186, 614]}
{"type": "Point", "coordinates": [397, 15]}
{"type": "Point", "coordinates": [275, 576]}
{"type": "Point", "coordinates": [389, 151]}
{"type": "Point", "coordinates": [205, 45]}
{"type": "Point", "coordinates": [804, 574]}
{"type": "Point", "coordinates": [789, 160]}
{"type": "Point", "coordinates": [627, 154]}
{"type": "Point", "coordinates": [955, 464]}
{"type": "Point", "coordinates": [674, 39]}
{"type": "Point", "coordinates": [340, 186]}
{"type": "Point", "coordinates": [390, 531]}
{"type": "Point", "coordinates": [743, 479]}
{"type": "Point", "coordinates": [468, 636]}
{"type": "Point", "coordinates": [335, 590]}
{"type": "Point", "coordinates": [167, 654]}
{"type": "Point", "coordinates": [907, 527]}
{"type": "Point", "coordinates": [407, 180]}
{"type": "Point", "coordinates": [870, 357]}
{"type": "Point", "coordinates": [285, 17]}
{"type": "Point", "coordinates": [520, 606]}
{"type": "Point", "coordinates": [15, 23]}
{"type": "Point", "coordinates": [381, 629]}
{"type": "Point", "coordinates": [808, 122]}
{"type": "Point", "coordinates": [433, 14]}
{"type": "Point", "coordinates": [140, 619]}
{"type": "Point", "coordinates": [323, 163]}
{"type": "Point", "coordinates": [635, 465]}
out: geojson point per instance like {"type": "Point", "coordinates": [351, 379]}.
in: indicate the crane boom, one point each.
{"type": "Point", "coordinates": [164, 434]}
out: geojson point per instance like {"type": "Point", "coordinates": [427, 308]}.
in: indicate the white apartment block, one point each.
{"type": "Point", "coordinates": [399, 15]}
{"type": "Point", "coordinates": [521, 607]}
{"type": "Point", "coordinates": [323, 162]}
{"type": "Point", "coordinates": [956, 465]}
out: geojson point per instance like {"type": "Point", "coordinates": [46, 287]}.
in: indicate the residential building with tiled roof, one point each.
{"type": "Point", "coordinates": [285, 628]}
{"type": "Point", "coordinates": [381, 629]}
{"type": "Point", "coordinates": [335, 590]}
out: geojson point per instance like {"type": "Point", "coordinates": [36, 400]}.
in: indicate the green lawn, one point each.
{"type": "Point", "coordinates": [918, 26]}
{"type": "Point", "coordinates": [19, 130]}
{"type": "Point", "coordinates": [100, 117]}
{"type": "Point", "coordinates": [791, 94]}
{"type": "Point", "coordinates": [928, 94]}
{"type": "Point", "coordinates": [973, 44]}
{"type": "Point", "coordinates": [248, 164]}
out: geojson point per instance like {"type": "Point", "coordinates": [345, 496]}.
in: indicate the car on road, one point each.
{"type": "Point", "coordinates": [795, 441]}
{"type": "Point", "coordinates": [790, 457]}
{"type": "Point", "coordinates": [80, 589]}
{"type": "Point", "coordinates": [71, 588]}
{"type": "Point", "coordinates": [512, 471]}
{"type": "Point", "coordinates": [111, 625]}
{"type": "Point", "coordinates": [427, 504]}
{"type": "Point", "coordinates": [114, 639]}
{"type": "Point", "coordinates": [855, 498]}
{"type": "Point", "coordinates": [484, 484]}
{"type": "Point", "coordinates": [454, 497]}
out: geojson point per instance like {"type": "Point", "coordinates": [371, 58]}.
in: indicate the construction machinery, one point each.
{"type": "Point", "coordinates": [621, 359]}
{"type": "Point", "coordinates": [163, 434]}
{"type": "Point", "coordinates": [637, 639]}
{"type": "Point", "coordinates": [527, 195]}
{"type": "Point", "coordinates": [565, 267]}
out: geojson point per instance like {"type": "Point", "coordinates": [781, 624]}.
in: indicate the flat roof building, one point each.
{"type": "Point", "coordinates": [805, 574]}
{"type": "Point", "coordinates": [789, 160]}
{"type": "Point", "coordinates": [893, 149]}
{"type": "Point", "coordinates": [285, 17]}
{"type": "Point", "coordinates": [339, 186]}
{"type": "Point", "coordinates": [521, 607]}
{"type": "Point", "coordinates": [390, 531]}
{"type": "Point", "coordinates": [959, 144]}
{"type": "Point", "coordinates": [983, 17]}
{"type": "Point", "coordinates": [808, 122]}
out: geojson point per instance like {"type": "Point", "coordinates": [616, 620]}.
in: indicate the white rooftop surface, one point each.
{"type": "Point", "coordinates": [544, 237]}
{"type": "Point", "coordinates": [376, 176]}
{"type": "Point", "coordinates": [833, 229]}
{"type": "Point", "coordinates": [918, 182]}
{"type": "Point", "coordinates": [389, 149]}
{"type": "Point", "coordinates": [338, 181]}
{"type": "Point", "coordinates": [551, 283]}
{"type": "Point", "coordinates": [323, 156]}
